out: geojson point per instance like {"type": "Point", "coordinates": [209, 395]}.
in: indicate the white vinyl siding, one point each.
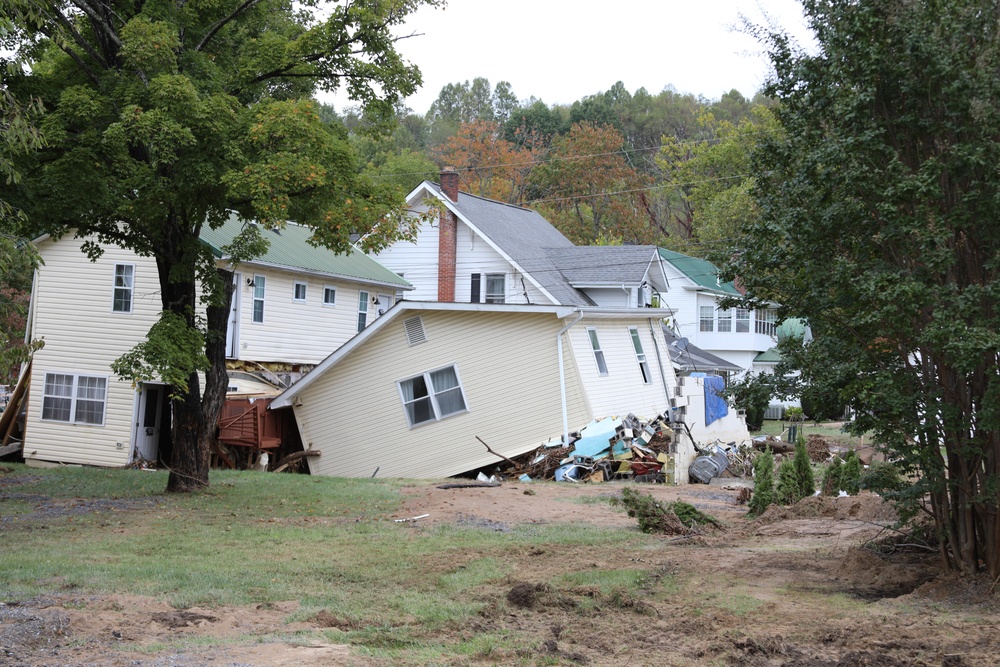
{"type": "Point", "coordinates": [259, 283]}
{"type": "Point", "coordinates": [622, 390]}
{"type": "Point", "coordinates": [522, 354]}
{"type": "Point", "coordinates": [71, 312]}
{"type": "Point", "coordinates": [418, 261]}
{"type": "Point", "coordinates": [124, 285]}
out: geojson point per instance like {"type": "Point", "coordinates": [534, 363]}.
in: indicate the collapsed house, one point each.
{"type": "Point", "coordinates": [424, 388]}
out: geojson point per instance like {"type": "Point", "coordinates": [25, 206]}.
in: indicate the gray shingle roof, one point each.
{"type": "Point", "coordinates": [604, 265]}
{"type": "Point", "coordinates": [524, 236]}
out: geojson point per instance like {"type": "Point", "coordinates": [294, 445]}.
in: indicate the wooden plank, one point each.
{"type": "Point", "coordinates": [9, 417]}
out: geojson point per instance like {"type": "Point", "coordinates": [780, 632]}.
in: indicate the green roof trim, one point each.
{"type": "Point", "coordinates": [702, 272]}
{"type": "Point", "coordinates": [771, 356]}
{"type": "Point", "coordinates": [792, 327]}
{"type": "Point", "coordinates": [289, 248]}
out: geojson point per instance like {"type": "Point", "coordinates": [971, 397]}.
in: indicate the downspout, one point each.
{"type": "Point", "coordinates": [659, 362]}
{"type": "Point", "coordinates": [562, 377]}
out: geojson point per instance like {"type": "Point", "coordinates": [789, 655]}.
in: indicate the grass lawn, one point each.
{"type": "Point", "coordinates": [830, 430]}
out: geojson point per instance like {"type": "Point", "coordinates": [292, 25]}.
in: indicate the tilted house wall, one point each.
{"type": "Point", "coordinates": [351, 407]}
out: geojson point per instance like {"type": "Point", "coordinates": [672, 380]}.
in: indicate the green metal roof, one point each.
{"type": "Point", "coordinates": [771, 356]}
{"type": "Point", "coordinates": [702, 272]}
{"type": "Point", "coordinates": [289, 248]}
{"type": "Point", "coordinates": [793, 326]}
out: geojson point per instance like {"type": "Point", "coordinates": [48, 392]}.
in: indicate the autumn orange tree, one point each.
{"type": "Point", "coordinates": [587, 189]}
{"type": "Point", "coordinates": [489, 165]}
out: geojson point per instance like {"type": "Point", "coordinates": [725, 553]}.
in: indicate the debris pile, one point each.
{"type": "Point", "coordinates": [607, 449]}
{"type": "Point", "coordinates": [819, 448]}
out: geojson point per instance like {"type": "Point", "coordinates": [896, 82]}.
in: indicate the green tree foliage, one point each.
{"type": "Point", "coordinates": [752, 394]}
{"type": "Point", "coordinates": [803, 469]}
{"type": "Point", "coordinates": [588, 188]}
{"type": "Point", "coordinates": [832, 483]}
{"type": "Point", "coordinates": [789, 490]}
{"type": "Point", "coordinates": [850, 473]}
{"type": "Point", "coordinates": [763, 483]}
{"type": "Point", "coordinates": [713, 179]}
{"type": "Point", "coordinates": [162, 116]}
{"type": "Point", "coordinates": [877, 224]}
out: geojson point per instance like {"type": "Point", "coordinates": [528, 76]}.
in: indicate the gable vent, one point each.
{"type": "Point", "coordinates": [414, 331]}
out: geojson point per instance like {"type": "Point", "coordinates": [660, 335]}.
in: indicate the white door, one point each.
{"type": "Point", "coordinates": [383, 303]}
{"type": "Point", "coordinates": [233, 330]}
{"type": "Point", "coordinates": [148, 418]}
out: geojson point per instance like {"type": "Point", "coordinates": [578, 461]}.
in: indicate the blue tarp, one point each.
{"type": "Point", "coordinates": [716, 407]}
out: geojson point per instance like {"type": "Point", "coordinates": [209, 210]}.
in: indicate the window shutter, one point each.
{"type": "Point", "coordinates": [414, 328]}
{"type": "Point", "coordinates": [475, 288]}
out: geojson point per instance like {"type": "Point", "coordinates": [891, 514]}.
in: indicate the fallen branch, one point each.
{"type": "Point", "coordinates": [496, 453]}
{"type": "Point", "coordinates": [293, 457]}
{"type": "Point", "coordinates": [467, 485]}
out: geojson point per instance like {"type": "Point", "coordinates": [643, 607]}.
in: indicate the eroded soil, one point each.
{"type": "Point", "coordinates": [792, 588]}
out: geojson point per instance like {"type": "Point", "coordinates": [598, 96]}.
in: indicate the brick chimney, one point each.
{"type": "Point", "coordinates": [447, 237]}
{"type": "Point", "coordinates": [449, 183]}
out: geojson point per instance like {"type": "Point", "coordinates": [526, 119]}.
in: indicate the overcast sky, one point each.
{"type": "Point", "coordinates": [562, 50]}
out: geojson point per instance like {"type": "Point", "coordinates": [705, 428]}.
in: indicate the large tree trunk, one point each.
{"type": "Point", "coordinates": [216, 379]}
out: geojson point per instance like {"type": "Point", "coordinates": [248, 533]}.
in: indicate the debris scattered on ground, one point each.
{"type": "Point", "coordinates": [604, 450]}
{"type": "Point", "coordinates": [819, 448]}
{"type": "Point", "coordinates": [654, 516]}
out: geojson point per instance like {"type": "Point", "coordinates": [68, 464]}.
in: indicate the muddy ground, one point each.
{"type": "Point", "coordinates": [793, 588]}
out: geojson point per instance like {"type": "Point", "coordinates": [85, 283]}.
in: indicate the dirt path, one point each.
{"type": "Point", "coordinates": [790, 589]}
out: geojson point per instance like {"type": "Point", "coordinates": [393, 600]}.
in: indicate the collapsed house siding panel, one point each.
{"type": "Point", "coordinates": [622, 390]}
{"type": "Point", "coordinates": [73, 312]}
{"type": "Point", "coordinates": [509, 371]}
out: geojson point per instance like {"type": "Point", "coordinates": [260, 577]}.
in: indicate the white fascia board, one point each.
{"type": "Point", "coordinates": [323, 274]}
{"type": "Point", "coordinates": [626, 313]}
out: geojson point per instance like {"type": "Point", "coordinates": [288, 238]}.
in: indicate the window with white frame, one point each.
{"type": "Point", "coordinates": [432, 395]}
{"type": "Point", "coordinates": [329, 296]}
{"type": "Point", "coordinates": [299, 292]}
{"type": "Point", "coordinates": [725, 321]}
{"type": "Point", "coordinates": [640, 356]}
{"type": "Point", "coordinates": [706, 318]}
{"type": "Point", "coordinates": [742, 320]}
{"type": "Point", "coordinates": [496, 288]}
{"type": "Point", "coordinates": [766, 322]}
{"type": "Point", "coordinates": [73, 398]}
{"type": "Point", "coordinates": [362, 311]}
{"type": "Point", "coordinates": [258, 299]}
{"type": "Point", "coordinates": [602, 365]}
{"type": "Point", "coordinates": [124, 287]}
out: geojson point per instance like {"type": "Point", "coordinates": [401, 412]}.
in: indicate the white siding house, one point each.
{"type": "Point", "coordinates": [290, 309]}
{"type": "Point", "coordinates": [431, 376]}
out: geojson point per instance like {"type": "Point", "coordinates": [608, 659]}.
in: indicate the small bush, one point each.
{"type": "Point", "coordinates": [803, 469]}
{"type": "Point", "coordinates": [882, 478]}
{"type": "Point", "coordinates": [850, 476]}
{"type": "Point", "coordinates": [763, 483]}
{"type": "Point", "coordinates": [789, 491]}
{"type": "Point", "coordinates": [655, 516]}
{"type": "Point", "coordinates": [832, 477]}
